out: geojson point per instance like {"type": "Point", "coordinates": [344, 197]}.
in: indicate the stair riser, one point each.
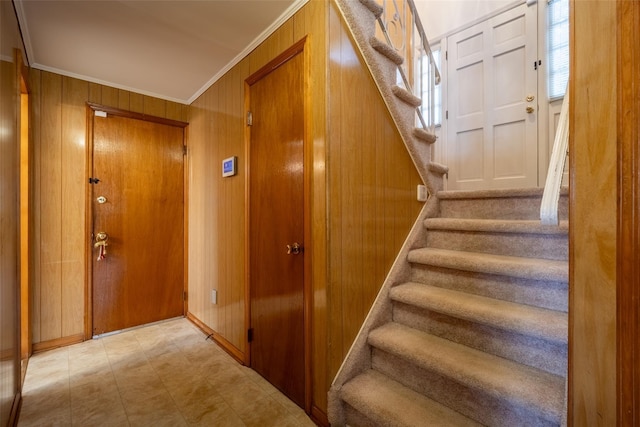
{"type": "Point", "coordinates": [525, 208]}
{"type": "Point", "coordinates": [543, 246]}
{"type": "Point", "coordinates": [535, 352]}
{"type": "Point", "coordinates": [473, 403]}
{"type": "Point", "coordinates": [355, 418]}
{"type": "Point", "coordinates": [545, 294]}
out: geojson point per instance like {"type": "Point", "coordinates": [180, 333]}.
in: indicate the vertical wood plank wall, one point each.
{"type": "Point", "coordinates": [593, 214]}
{"type": "Point", "coordinates": [368, 194]}
{"type": "Point", "coordinates": [58, 107]}
{"type": "Point", "coordinates": [372, 185]}
{"type": "Point", "coordinates": [9, 257]}
{"type": "Point", "coordinates": [217, 208]}
{"type": "Point", "coordinates": [9, 215]}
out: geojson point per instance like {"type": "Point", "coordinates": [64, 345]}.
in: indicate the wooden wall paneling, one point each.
{"type": "Point", "coordinates": [374, 182]}
{"type": "Point", "coordinates": [353, 143]}
{"type": "Point", "coordinates": [95, 93]}
{"type": "Point", "coordinates": [26, 222]}
{"type": "Point", "coordinates": [177, 111]}
{"type": "Point", "coordinates": [136, 102]}
{"type": "Point", "coordinates": [628, 272]}
{"type": "Point", "coordinates": [234, 214]}
{"type": "Point", "coordinates": [275, 44]}
{"type": "Point", "coordinates": [226, 291]}
{"type": "Point", "coordinates": [236, 186]}
{"type": "Point", "coordinates": [51, 207]}
{"type": "Point", "coordinates": [334, 167]}
{"type": "Point", "coordinates": [74, 94]}
{"type": "Point", "coordinates": [58, 133]}
{"type": "Point", "coordinates": [36, 102]}
{"type": "Point", "coordinates": [315, 25]}
{"type": "Point", "coordinates": [109, 96]}
{"type": "Point", "coordinates": [123, 100]}
{"type": "Point", "coordinates": [592, 232]}
{"type": "Point", "coordinates": [9, 237]}
{"type": "Point", "coordinates": [155, 107]}
{"type": "Point", "coordinates": [211, 208]}
{"type": "Point", "coordinates": [196, 232]}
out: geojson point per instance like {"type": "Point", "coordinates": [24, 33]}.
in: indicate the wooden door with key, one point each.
{"type": "Point", "coordinates": [137, 197]}
{"type": "Point", "coordinates": [276, 224]}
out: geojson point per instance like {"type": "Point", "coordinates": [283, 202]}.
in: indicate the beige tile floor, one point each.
{"type": "Point", "coordinates": [164, 374]}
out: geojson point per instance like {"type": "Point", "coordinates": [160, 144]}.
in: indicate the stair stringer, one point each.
{"type": "Point", "coordinates": [358, 358]}
{"type": "Point", "coordinates": [361, 23]}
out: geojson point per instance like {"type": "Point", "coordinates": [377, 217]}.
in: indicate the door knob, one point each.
{"type": "Point", "coordinates": [530, 98]}
{"type": "Point", "coordinates": [294, 249]}
{"type": "Point", "coordinates": [529, 110]}
{"type": "Point", "coordinates": [101, 244]}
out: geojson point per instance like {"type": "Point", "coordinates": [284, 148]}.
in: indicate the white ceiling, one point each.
{"type": "Point", "coordinates": [171, 49]}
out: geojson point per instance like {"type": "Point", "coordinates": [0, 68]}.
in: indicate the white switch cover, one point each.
{"type": "Point", "coordinates": [214, 296]}
{"type": "Point", "coordinates": [422, 193]}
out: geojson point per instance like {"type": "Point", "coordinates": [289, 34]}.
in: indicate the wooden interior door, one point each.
{"type": "Point", "coordinates": [492, 96]}
{"type": "Point", "coordinates": [138, 166]}
{"type": "Point", "coordinates": [277, 220]}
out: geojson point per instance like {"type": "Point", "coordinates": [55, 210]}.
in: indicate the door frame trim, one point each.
{"type": "Point", "coordinates": [91, 109]}
{"type": "Point", "coordinates": [299, 47]}
{"type": "Point", "coordinates": [628, 221]}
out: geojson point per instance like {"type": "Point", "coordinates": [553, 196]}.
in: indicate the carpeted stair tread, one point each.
{"type": "Point", "coordinates": [526, 268]}
{"type": "Point", "coordinates": [389, 403]}
{"type": "Point", "coordinates": [374, 7]}
{"type": "Point", "coordinates": [499, 193]}
{"type": "Point", "coordinates": [519, 318]}
{"type": "Point", "coordinates": [406, 96]}
{"type": "Point", "coordinates": [496, 226]}
{"type": "Point", "coordinates": [541, 392]}
{"type": "Point", "coordinates": [438, 168]}
{"type": "Point", "coordinates": [386, 50]}
{"type": "Point", "coordinates": [424, 135]}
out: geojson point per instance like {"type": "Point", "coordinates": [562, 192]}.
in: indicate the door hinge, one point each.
{"type": "Point", "coordinates": [93, 180]}
{"type": "Point", "coordinates": [536, 64]}
{"type": "Point", "coordinates": [184, 295]}
{"type": "Point", "coordinates": [184, 150]}
{"type": "Point", "coordinates": [446, 55]}
{"type": "Point", "coordinates": [250, 335]}
{"type": "Point", "coordinates": [446, 115]}
{"type": "Point", "coordinates": [249, 118]}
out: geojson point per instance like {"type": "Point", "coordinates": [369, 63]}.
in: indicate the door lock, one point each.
{"type": "Point", "coordinates": [294, 249]}
{"type": "Point", "coordinates": [530, 98]}
{"type": "Point", "coordinates": [101, 244]}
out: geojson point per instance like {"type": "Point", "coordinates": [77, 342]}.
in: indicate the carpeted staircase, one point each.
{"type": "Point", "coordinates": [470, 327]}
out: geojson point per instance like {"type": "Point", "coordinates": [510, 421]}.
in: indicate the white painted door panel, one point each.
{"type": "Point", "coordinates": [492, 139]}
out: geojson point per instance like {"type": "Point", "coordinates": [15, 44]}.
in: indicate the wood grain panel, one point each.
{"type": "Point", "coordinates": [95, 93]}
{"type": "Point", "coordinates": [217, 205]}
{"type": "Point", "coordinates": [628, 272]}
{"type": "Point", "coordinates": [372, 183]}
{"type": "Point", "coordinates": [592, 259]}
{"type": "Point", "coordinates": [59, 134]}
{"type": "Point", "coordinates": [123, 100]}
{"type": "Point", "coordinates": [36, 102]}
{"type": "Point", "coordinates": [109, 96]}
{"type": "Point", "coordinates": [51, 223]}
{"type": "Point", "coordinates": [312, 21]}
{"type": "Point", "coordinates": [74, 94]}
{"type": "Point", "coordinates": [9, 233]}
{"type": "Point", "coordinates": [136, 103]}
{"type": "Point", "coordinates": [155, 107]}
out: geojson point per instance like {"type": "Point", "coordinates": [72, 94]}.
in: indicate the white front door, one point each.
{"type": "Point", "coordinates": [492, 139]}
